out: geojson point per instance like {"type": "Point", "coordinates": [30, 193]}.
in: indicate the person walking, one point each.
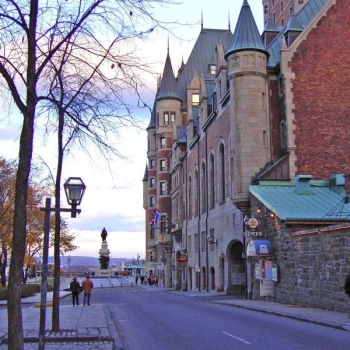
{"type": "Point", "coordinates": [75, 288]}
{"type": "Point", "coordinates": [87, 288]}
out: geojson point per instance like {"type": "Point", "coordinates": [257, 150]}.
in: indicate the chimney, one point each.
{"type": "Point", "coordinates": [302, 185]}
{"type": "Point", "coordinates": [337, 183]}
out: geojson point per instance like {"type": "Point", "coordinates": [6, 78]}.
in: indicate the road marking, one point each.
{"type": "Point", "coordinates": [240, 339]}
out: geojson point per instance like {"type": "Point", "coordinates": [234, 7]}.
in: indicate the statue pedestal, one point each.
{"type": "Point", "coordinates": [102, 271]}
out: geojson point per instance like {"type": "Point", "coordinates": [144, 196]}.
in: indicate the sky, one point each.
{"type": "Point", "coordinates": [114, 195]}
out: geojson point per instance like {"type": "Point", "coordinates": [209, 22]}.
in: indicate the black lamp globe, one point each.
{"type": "Point", "coordinates": [74, 188]}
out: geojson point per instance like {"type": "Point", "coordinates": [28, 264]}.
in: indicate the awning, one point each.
{"type": "Point", "coordinates": [259, 248]}
{"type": "Point", "coordinates": [134, 266]}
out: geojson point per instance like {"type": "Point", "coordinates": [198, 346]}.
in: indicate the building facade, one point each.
{"type": "Point", "coordinates": [246, 109]}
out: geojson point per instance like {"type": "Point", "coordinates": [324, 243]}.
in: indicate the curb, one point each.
{"type": "Point", "coordinates": [118, 343]}
{"type": "Point", "coordinates": [335, 325]}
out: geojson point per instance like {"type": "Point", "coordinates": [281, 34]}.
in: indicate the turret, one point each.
{"type": "Point", "coordinates": [247, 74]}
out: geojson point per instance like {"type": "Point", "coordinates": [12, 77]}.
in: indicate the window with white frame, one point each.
{"type": "Point", "coordinates": [152, 182]}
{"type": "Point", "coordinates": [152, 201]}
{"type": "Point", "coordinates": [212, 69]}
{"type": "Point", "coordinates": [162, 165]}
{"type": "Point", "coordinates": [162, 188]}
{"type": "Point", "coordinates": [166, 118]}
{"type": "Point", "coordinates": [162, 142]}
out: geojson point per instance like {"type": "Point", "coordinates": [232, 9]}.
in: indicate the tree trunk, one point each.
{"type": "Point", "coordinates": [15, 327]}
{"type": "Point", "coordinates": [57, 260]}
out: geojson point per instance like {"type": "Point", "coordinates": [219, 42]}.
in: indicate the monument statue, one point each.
{"type": "Point", "coordinates": [104, 235]}
{"type": "Point", "coordinates": [104, 260]}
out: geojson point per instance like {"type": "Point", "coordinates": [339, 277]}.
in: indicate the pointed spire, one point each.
{"type": "Point", "coordinates": [246, 35]}
{"type": "Point", "coordinates": [202, 19]}
{"type": "Point", "coordinates": [167, 88]}
{"type": "Point", "coordinates": [229, 21]}
{"type": "Point", "coordinates": [145, 175]}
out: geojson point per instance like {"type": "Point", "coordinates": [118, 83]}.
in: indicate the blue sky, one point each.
{"type": "Point", "coordinates": [114, 199]}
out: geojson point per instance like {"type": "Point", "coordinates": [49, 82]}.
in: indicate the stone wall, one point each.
{"type": "Point", "coordinates": [312, 264]}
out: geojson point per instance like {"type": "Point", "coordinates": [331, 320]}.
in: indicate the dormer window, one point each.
{"type": "Point", "coordinates": [195, 99]}
{"type": "Point", "coordinates": [212, 69]}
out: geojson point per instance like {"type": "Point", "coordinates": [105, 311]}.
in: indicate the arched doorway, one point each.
{"type": "Point", "coordinates": [212, 278]}
{"type": "Point", "coordinates": [221, 287]}
{"type": "Point", "coordinates": [204, 278]}
{"type": "Point", "coordinates": [236, 268]}
{"type": "Point", "coordinates": [178, 270]}
{"type": "Point", "coordinates": [190, 286]}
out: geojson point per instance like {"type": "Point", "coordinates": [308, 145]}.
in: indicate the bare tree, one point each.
{"type": "Point", "coordinates": [33, 40]}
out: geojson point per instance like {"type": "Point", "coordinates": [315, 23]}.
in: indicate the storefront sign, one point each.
{"type": "Point", "coordinates": [182, 259]}
{"type": "Point", "coordinates": [252, 234]}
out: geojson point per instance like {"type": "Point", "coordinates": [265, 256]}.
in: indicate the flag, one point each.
{"type": "Point", "coordinates": [155, 217]}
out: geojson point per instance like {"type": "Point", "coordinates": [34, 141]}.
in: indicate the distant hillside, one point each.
{"type": "Point", "coordinates": [88, 261]}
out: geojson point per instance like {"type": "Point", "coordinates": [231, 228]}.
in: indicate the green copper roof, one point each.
{"type": "Point", "coordinates": [299, 22]}
{"type": "Point", "coordinates": [319, 203]}
{"type": "Point", "coordinates": [246, 35]}
{"type": "Point", "coordinates": [168, 86]}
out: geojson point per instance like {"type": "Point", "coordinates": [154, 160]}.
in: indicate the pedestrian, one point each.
{"type": "Point", "coordinates": [136, 279]}
{"type": "Point", "coordinates": [75, 288]}
{"type": "Point", "coordinates": [87, 288]}
{"type": "Point", "coordinates": [142, 278]}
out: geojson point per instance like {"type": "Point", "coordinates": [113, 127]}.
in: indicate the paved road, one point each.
{"type": "Point", "coordinates": [101, 325]}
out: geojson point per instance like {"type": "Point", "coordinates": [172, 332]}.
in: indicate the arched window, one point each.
{"type": "Point", "coordinates": [189, 200]}
{"type": "Point", "coordinates": [196, 193]}
{"type": "Point", "coordinates": [222, 182]}
{"type": "Point", "coordinates": [203, 191]}
{"type": "Point", "coordinates": [211, 186]}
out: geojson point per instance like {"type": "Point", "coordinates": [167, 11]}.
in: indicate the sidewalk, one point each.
{"type": "Point", "coordinates": [92, 326]}
{"type": "Point", "coordinates": [82, 327]}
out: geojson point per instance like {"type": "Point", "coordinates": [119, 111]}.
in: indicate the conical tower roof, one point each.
{"type": "Point", "coordinates": [168, 85]}
{"type": "Point", "coordinates": [246, 35]}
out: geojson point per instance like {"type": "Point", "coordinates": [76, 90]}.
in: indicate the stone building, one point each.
{"type": "Point", "coordinates": [248, 152]}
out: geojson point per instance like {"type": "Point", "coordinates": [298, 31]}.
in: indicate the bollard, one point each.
{"type": "Point", "coordinates": [132, 284]}
{"type": "Point", "coordinates": [112, 285]}
{"type": "Point", "coordinates": [121, 285]}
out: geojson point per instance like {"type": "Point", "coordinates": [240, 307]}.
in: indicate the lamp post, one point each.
{"type": "Point", "coordinates": [74, 188]}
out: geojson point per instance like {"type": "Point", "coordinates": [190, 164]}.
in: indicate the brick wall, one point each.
{"type": "Point", "coordinates": [321, 96]}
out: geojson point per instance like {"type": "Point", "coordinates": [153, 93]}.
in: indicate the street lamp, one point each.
{"type": "Point", "coordinates": [74, 188]}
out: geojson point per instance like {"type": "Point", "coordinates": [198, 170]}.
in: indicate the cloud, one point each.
{"type": "Point", "coordinates": [111, 221]}
{"type": "Point", "coordinates": [122, 244]}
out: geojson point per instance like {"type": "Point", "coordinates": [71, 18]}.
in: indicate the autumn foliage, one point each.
{"type": "Point", "coordinates": [35, 220]}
